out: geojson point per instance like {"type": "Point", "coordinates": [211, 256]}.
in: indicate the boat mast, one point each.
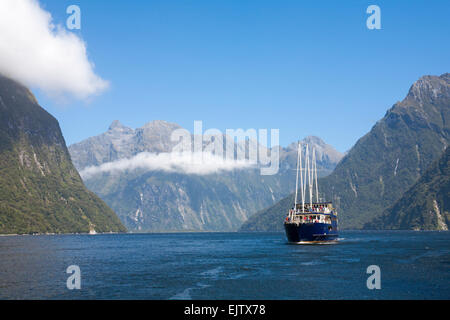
{"type": "Point", "coordinates": [315, 175]}
{"type": "Point", "coordinates": [296, 180]}
{"type": "Point", "coordinates": [309, 174]}
{"type": "Point", "coordinates": [302, 187]}
{"type": "Point", "coordinates": [308, 177]}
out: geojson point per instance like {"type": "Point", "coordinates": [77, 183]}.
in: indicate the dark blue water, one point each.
{"type": "Point", "coordinates": [414, 265]}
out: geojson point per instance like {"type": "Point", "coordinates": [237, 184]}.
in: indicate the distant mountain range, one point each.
{"type": "Point", "coordinates": [155, 199]}
{"type": "Point", "coordinates": [40, 189]}
{"type": "Point", "coordinates": [384, 163]}
{"type": "Point", "coordinates": [121, 142]}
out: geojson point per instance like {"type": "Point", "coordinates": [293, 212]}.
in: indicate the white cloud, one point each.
{"type": "Point", "coordinates": [37, 53]}
{"type": "Point", "coordinates": [188, 163]}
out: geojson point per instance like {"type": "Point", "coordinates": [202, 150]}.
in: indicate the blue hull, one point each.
{"type": "Point", "coordinates": [311, 232]}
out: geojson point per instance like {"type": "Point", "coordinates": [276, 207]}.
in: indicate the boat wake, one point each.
{"type": "Point", "coordinates": [315, 242]}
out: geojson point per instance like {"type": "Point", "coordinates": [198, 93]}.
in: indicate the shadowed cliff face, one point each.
{"type": "Point", "coordinates": [385, 162]}
{"type": "Point", "coordinates": [40, 189]}
{"type": "Point", "coordinates": [22, 115]}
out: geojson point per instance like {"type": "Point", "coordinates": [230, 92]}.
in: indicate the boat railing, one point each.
{"type": "Point", "coordinates": [306, 218]}
{"type": "Point", "coordinates": [313, 211]}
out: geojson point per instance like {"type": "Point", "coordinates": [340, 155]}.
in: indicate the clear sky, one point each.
{"type": "Point", "coordinates": [304, 67]}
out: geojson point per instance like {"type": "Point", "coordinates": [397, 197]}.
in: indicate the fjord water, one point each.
{"type": "Point", "coordinates": [414, 265]}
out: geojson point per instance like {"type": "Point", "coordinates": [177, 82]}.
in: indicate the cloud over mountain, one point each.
{"type": "Point", "coordinates": [39, 54]}
{"type": "Point", "coordinates": [189, 163]}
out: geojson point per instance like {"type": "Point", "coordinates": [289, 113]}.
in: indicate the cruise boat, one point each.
{"type": "Point", "coordinates": [310, 221]}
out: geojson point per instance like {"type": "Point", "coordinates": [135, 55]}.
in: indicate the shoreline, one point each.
{"type": "Point", "coordinates": [58, 234]}
{"type": "Point", "coordinates": [180, 232]}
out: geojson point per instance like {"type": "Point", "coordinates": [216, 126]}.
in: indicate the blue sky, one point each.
{"type": "Point", "coordinates": [304, 67]}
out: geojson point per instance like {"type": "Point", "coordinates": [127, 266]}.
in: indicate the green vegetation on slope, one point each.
{"type": "Point", "coordinates": [426, 206]}
{"type": "Point", "coordinates": [40, 189]}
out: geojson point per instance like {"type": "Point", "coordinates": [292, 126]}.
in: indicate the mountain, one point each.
{"type": "Point", "coordinates": [385, 162]}
{"type": "Point", "coordinates": [326, 156]}
{"type": "Point", "coordinates": [40, 189]}
{"type": "Point", "coordinates": [121, 142]}
{"type": "Point", "coordinates": [156, 200]}
{"type": "Point", "coordinates": [426, 206]}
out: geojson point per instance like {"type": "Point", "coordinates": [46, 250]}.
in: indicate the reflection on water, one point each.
{"type": "Point", "coordinates": [414, 265]}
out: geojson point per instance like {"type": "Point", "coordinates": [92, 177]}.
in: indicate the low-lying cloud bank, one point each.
{"type": "Point", "coordinates": [188, 163]}
{"type": "Point", "coordinates": [39, 54]}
